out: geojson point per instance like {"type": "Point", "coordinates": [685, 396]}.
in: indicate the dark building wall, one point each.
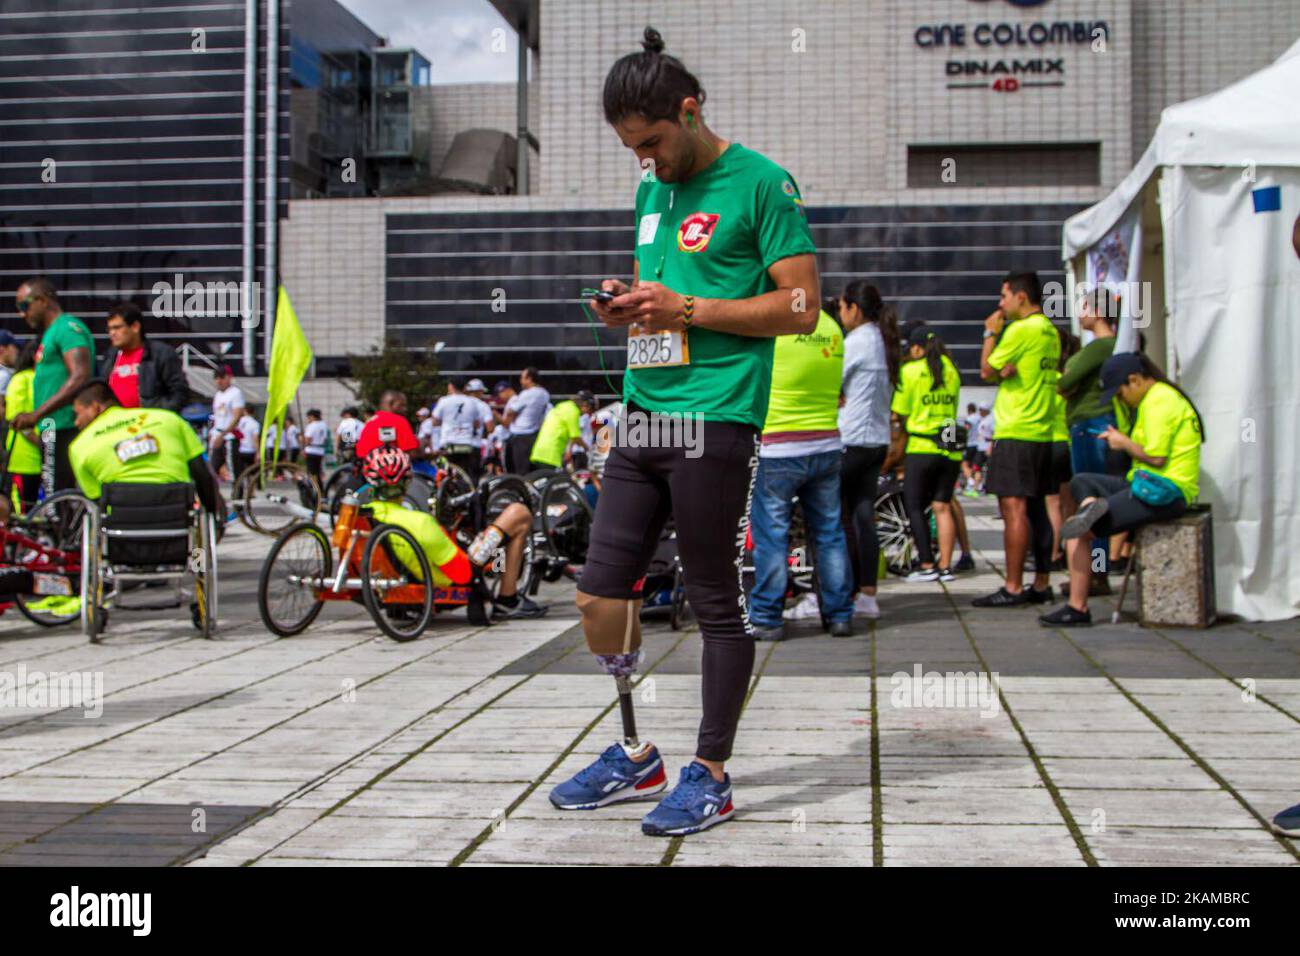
{"type": "Point", "coordinates": [147, 139]}
{"type": "Point", "coordinates": [937, 263]}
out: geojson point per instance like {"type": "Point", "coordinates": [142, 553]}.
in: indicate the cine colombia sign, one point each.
{"type": "Point", "coordinates": [1009, 56]}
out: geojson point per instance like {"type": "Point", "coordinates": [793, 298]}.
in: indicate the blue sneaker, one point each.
{"type": "Point", "coordinates": [613, 778]}
{"type": "Point", "coordinates": [696, 803]}
{"type": "Point", "coordinates": [1287, 822]}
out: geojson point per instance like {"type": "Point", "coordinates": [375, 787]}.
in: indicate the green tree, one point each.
{"type": "Point", "coordinates": [400, 365]}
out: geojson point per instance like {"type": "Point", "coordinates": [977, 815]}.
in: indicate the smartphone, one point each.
{"type": "Point", "coordinates": [603, 296]}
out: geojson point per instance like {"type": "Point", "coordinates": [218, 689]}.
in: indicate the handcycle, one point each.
{"type": "Point", "coordinates": [42, 548]}
{"type": "Point", "coordinates": [380, 566]}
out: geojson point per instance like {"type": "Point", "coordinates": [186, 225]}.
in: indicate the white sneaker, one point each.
{"type": "Point", "coordinates": [922, 575]}
{"type": "Point", "coordinates": [864, 605]}
{"type": "Point", "coordinates": [806, 609]}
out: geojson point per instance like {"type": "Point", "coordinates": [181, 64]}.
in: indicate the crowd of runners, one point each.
{"type": "Point", "coordinates": [798, 399]}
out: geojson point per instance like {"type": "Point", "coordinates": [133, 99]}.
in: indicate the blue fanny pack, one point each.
{"type": "Point", "coordinates": [1155, 490]}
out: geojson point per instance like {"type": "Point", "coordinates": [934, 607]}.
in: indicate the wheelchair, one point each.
{"type": "Point", "coordinates": [142, 533]}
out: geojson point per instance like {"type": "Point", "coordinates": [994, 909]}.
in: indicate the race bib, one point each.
{"type": "Point", "coordinates": [137, 447]}
{"type": "Point", "coordinates": [51, 584]}
{"type": "Point", "coordinates": [388, 434]}
{"type": "Point", "coordinates": [657, 349]}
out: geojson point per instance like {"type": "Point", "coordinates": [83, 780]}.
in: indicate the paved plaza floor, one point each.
{"type": "Point", "coordinates": [1117, 745]}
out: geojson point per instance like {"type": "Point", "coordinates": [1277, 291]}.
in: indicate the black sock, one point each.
{"type": "Point", "coordinates": [508, 600]}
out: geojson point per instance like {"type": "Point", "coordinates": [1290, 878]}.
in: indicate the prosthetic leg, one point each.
{"type": "Point", "coordinates": [613, 630]}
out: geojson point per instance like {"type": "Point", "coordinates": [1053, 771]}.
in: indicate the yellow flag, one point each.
{"type": "Point", "coordinates": [291, 356]}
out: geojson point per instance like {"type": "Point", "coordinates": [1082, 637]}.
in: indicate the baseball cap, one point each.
{"type": "Point", "coordinates": [422, 413]}
{"type": "Point", "coordinates": [500, 387]}
{"type": "Point", "coordinates": [475, 385]}
{"type": "Point", "coordinates": [7, 338]}
{"type": "Point", "coordinates": [985, 407]}
{"type": "Point", "coordinates": [585, 397]}
{"type": "Point", "coordinates": [1115, 372]}
{"type": "Point", "coordinates": [222, 371]}
{"type": "Point", "coordinates": [920, 334]}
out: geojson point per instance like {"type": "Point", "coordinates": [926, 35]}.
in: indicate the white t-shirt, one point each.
{"type": "Point", "coordinates": [462, 418]}
{"type": "Point", "coordinates": [349, 431]}
{"type": "Point", "coordinates": [529, 407]}
{"type": "Point", "coordinates": [427, 434]}
{"type": "Point", "coordinates": [316, 434]}
{"type": "Point", "coordinates": [986, 432]}
{"type": "Point", "coordinates": [248, 429]}
{"type": "Point", "coordinates": [224, 404]}
{"type": "Point", "coordinates": [291, 437]}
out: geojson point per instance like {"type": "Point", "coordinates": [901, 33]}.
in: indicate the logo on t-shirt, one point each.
{"type": "Point", "coordinates": [696, 230]}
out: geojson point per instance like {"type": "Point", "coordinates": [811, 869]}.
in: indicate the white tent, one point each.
{"type": "Point", "coordinates": [1210, 212]}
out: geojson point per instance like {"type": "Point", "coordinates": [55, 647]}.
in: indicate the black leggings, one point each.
{"type": "Point", "coordinates": [709, 498]}
{"type": "Point", "coordinates": [926, 478]}
{"type": "Point", "coordinates": [859, 475]}
{"type": "Point", "coordinates": [1041, 534]}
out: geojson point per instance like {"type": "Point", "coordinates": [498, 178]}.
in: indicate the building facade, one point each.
{"type": "Point", "coordinates": [938, 143]}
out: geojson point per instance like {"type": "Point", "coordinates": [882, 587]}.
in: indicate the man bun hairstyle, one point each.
{"type": "Point", "coordinates": [651, 84]}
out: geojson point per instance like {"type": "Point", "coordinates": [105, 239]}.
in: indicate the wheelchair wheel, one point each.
{"type": "Point", "coordinates": [93, 616]}
{"type": "Point", "coordinates": [276, 497]}
{"type": "Point", "coordinates": [204, 566]}
{"type": "Point", "coordinates": [57, 522]}
{"type": "Point", "coordinates": [286, 605]}
{"type": "Point", "coordinates": [566, 520]}
{"type": "Point", "coordinates": [382, 574]}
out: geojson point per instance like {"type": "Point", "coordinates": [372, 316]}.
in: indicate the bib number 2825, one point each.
{"type": "Point", "coordinates": [657, 349]}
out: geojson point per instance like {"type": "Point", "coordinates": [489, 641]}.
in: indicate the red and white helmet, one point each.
{"type": "Point", "coordinates": [385, 466]}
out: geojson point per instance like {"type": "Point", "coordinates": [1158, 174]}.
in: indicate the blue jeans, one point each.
{"type": "Point", "coordinates": [815, 479]}
{"type": "Point", "coordinates": [1088, 456]}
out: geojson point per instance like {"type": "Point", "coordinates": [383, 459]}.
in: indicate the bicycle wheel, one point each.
{"type": "Point", "coordinates": [498, 494]}
{"type": "Point", "coordinates": [287, 592]}
{"type": "Point", "coordinates": [383, 576]}
{"type": "Point", "coordinates": [273, 496]}
{"type": "Point", "coordinates": [57, 522]}
{"type": "Point", "coordinates": [453, 483]}
{"type": "Point", "coordinates": [895, 534]}
{"type": "Point", "coordinates": [566, 520]}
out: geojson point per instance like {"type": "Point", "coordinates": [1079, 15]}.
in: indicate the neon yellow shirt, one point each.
{"type": "Point", "coordinates": [1026, 400]}
{"type": "Point", "coordinates": [928, 410]}
{"type": "Point", "coordinates": [1060, 423]}
{"type": "Point", "coordinates": [806, 375]}
{"type": "Point", "coordinates": [24, 455]}
{"type": "Point", "coordinates": [438, 548]}
{"type": "Point", "coordinates": [1167, 427]}
{"type": "Point", "coordinates": [561, 425]}
{"type": "Point", "coordinates": [150, 446]}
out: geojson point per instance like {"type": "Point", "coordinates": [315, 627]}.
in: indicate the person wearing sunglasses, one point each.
{"type": "Point", "coordinates": [64, 361]}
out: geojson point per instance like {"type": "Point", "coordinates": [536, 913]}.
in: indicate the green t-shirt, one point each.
{"type": "Point", "coordinates": [63, 335]}
{"type": "Point", "coordinates": [438, 548]}
{"type": "Point", "coordinates": [561, 425]}
{"type": "Point", "coordinates": [1167, 427]}
{"type": "Point", "coordinates": [143, 445]}
{"type": "Point", "coordinates": [928, 410]}
{"type": "Point", "coordinates": [1082, 378]}
{"type": "Point", "coordinates": [1024, 406]}
{"type": "Point", "coordinates": [24, 456]}
{"type": "Point", "coordinates": [806, 375]}
{"type": "Point", "coordinates": [715, 236]}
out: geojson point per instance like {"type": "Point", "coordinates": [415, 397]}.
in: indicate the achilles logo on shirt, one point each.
{"type": "Point", "coordinates": [696, 230]}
